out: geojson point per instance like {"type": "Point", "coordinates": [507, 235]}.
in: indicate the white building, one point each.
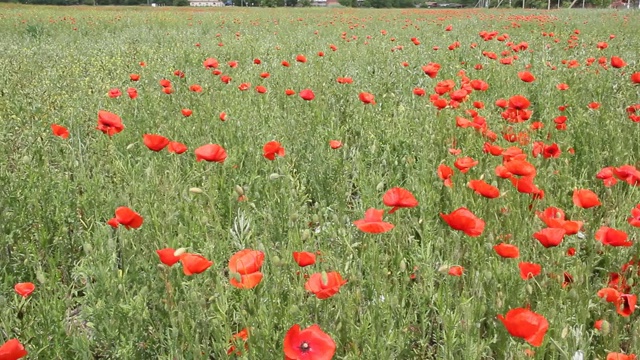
{"type": "Point", "coordinates": [205, 3]}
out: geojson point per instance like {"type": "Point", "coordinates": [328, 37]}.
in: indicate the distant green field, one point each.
{"type": "Point", "coordinates": [430, 101]}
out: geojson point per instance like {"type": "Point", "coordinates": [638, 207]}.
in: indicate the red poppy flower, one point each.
{"type": "Point", "coordinates": [464, 220]}
{"type": "Point", "coordinates": [167, 90]}
{"type": "Point", "coordinates": [507, 251]}
{"type": "Point", "coordinates": [210, 63]}
{"type": "Point", "coordinates": [167, 256]}
{"type": "Point", "coordinates": [520, 168]}
{"type": "Point", "coordinates": [529, 270]}
{"type": "Point", "coordinates": [612, 237]}
{"type": "Point", "coordinates": [594, 105]}
{"type": "Point", "coordinates": [134, 77]}
{"type": "Point", "coordinates": [479, 85]}
{"type": "Point", "coordinates": [456, 270]}
{"type": "Point", "coordinates": [194, 263]}
{"type": "Point", "coordinates": [585, 199]}
{"type": "Point", "coordinates": [115, 93]}
{"type": "Point", "coordinates": [324, 285]}
{"type": "Point", "coordinates": [132, 92]}
{"type": "Point", "coordinates": [232, 64]}
{"type": "Point", "coordinates": [606, 175]}
{"type": "Point", "coordinates": [179, 74]}
{"type": "Point", "coordinates": [372, 222]}
{"type": "Point", "coordinates": [109, 123]}
{"type": "Point", "coordinates": [445, 173]}
{"type": "Point", "coordinates": [550, 237]}
{"type": "Point", "coordinates": [195, 88]}
{"type": "Point", "coordinates": [626, 304]}
{"type": "Point", "coordinates": [399, 198]}
{"type": "Point", "coordinates": [367, 98]}
{"type": "Point", "coordinates": [129, 218]}
{"type": "Point", "coordinates": [60, 131]}
{"type": "Point", "coordinates": [155, 142]}
{"type": "Point", "coordinates": [525, 324]}
{"type": "Point", "coordinates": [307, 94]}
{"type": "Point", "coordinates": [304, 258]}
{"type": "Point", "coordinates": [431, 69]}
{"type": "Point", "coordinates": [617, 62]}
{"type": "Point", "coordinates": [244, 86]}
{"type": "Point", "coordinates": [271, 149]}
{"type": "Point", "coordinates": [261, 89]}
{"type": "Point", "coordinates": [309, 344]}
{"type": "Point", "coordinates": [519, 102]}
{"type": "Point", "coordinates": [211, 152]}
{"type": "Point", "coordinates": [176, 147]}
{"type": "Point", "coordinates": [335, 144]}
{"type": "Point", "coordinates": [634, 219]}
{"type": "Point", "coordinates": [419, 92]}
{"type": "Point", "coordinates": [627, 173]}
{"type": "Point", "coordinates": [301, 58]}
{"type": "Point", "coordinates": [285, 63]}
{"type": "Point", "coordinates": [289, 92]}
{"type": "Point", "coordinates": [484, 189]}
{"type": "Point", "coordinates": [465, 163]}
{"type": "Point", "coordinates": [344, 80]}
{"type": "Point", "coordinates": [186, 112]}
{"type": "Point", "coordinates": [635, 78]}
{"type": "Point", "coordinates": [526, 76]}
{"type": "Point", "coordinates": [13, 350]}
{"type": "Point", "coordinates": [620, 356]}
{"type": "Point", "coordinates": [562, 87]}
{"type": "Point", "coordinates": [223, 116]}
{"type": "Point", "coordinates": [247, 264]}
{"type": "Point", "coordinates": [24, 289]}
{"type": "Point", "coordinates": [165, 83]}
{"type": "Point", "coordinates": [241, 336]}
{"type": "Point", "coordinates": [609, 294]}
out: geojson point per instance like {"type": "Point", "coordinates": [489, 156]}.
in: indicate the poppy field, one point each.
{"type": "Point", "coordinates": [319, 184]}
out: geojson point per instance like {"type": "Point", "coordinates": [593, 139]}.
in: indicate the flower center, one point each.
{"type": "Point", "coordinates": [304, 347]}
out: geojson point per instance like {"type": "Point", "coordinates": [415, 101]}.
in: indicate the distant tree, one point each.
{"type": "Point", "coordinates": [305, 3]}
{"type": "Point", "coordinates": [180, 2]}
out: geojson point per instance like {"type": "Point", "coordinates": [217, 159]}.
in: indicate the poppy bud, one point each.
{"type": "Point", "coordinates": [195, 190]}
{"type": "Point", "coordinates": [179, 252]}
{"type": "Point", "coordinates": [380, 186]}
{"type": "Point", "coordinates": [630, 281]}
{"type": "Point", "coordinates": [529, 289]}
{"type": "Point", "coordinates": [306, 234]}
{"type": "Point", "coordinates": [605, 327]}
{"type": "Point", "coordinates": [403, 265]}
{"type": "Point", "coordinates": [488, 275]}
{"type": "Point", "coordinates": [565, 332]}
{"type": "Point", "coordinates": [87, 248]}
{"type": "Point", "coordinates": [239, 190]}
{"type": "Point", "coordinates": [40, 277]}
{"type": "Point", "coordinates": [276, 261]}
{"type": "Point", "coordinates": [294, 309]}
{"type": "Point", "coordinates": [443, 269]}
{"type": "Point", "coordinates": [130, 146]}
{"type": "Point", "coordinates": [274, 176]}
